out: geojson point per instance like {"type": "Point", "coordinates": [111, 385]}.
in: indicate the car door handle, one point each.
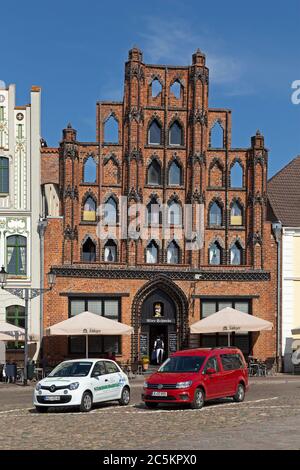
{"type": "Point", "coordinates": [106, 380]}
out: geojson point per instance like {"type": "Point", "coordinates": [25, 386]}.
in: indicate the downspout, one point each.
{"type": "Point", "coordinates": [41, 230]}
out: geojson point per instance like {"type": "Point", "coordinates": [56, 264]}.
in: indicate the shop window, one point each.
{"type": "Point", "coordinates": [236, 214]}
{"type": "Point", "coordinates": [89, 210]}
{"type": "Point", "coordinates": [215, 214]}
{"type": "Point", "coordinates": [176, 134]}
{"type": "Point", "coordinates": [154, 173]}
{"type": "Point", "coordinates": [175, 174]}
{"type": "Point", "coordinates": [89, 251]}
{"type": "Point", "coordinates": [90, 171]}
{"type": "Point", "coordinates": [16, 255]}
{"type": "Point", "coordinates": [154, 133]}
{"type": "Point", "coordinates": [111, 131]}
{"type": "Point", "coordinates": [4, 175]}
{"type": "Point", "coordinates": [15, 315]}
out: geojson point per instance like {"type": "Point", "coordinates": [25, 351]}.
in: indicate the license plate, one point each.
{"type": "Point", "coordinates": [159, 394]}
{"type": "Point", "coordinates": [52, 398]}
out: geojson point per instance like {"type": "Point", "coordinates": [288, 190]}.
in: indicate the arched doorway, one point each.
{"type": "Point", "coordinates": [160, 308]}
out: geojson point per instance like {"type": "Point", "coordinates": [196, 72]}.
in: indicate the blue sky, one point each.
{"type": "Point", "coordinates": [76, 52]}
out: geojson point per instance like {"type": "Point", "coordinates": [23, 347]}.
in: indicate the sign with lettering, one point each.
{"type": "Point", "coordinates": [159, 320]}
{"type": "Point", "coordinates": [144, 345]}
{"type": "Point", "coordinates": [172, 342]}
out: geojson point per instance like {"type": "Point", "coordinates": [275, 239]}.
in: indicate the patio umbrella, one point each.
{"type": "Point", "coordinates": [15, 332]}
{"type": "Point", "coordinates": [4, 337]}
{"type": "Point", "coordinates": [229, 320]}
{"type": "Point", "coordinates": [86, 324]}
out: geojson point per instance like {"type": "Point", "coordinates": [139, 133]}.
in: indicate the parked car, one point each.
{"type": "Point", "coordinates": [82, 383]}
{"type": "Point", "coordinates": [197, 375]}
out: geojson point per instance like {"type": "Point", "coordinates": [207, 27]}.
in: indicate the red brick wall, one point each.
{"type": "Point", "coordinates": [122, 170]}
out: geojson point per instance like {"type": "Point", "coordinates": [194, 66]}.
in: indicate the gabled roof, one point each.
{"type": "Point", "coordinates": [284, 194]}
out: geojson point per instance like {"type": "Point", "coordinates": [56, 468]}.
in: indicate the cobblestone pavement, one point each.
{"type": "Point", "coordinates": [269, 418]}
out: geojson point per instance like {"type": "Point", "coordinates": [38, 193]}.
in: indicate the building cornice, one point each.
{"type": "Point", "coordinates": [175, 274]}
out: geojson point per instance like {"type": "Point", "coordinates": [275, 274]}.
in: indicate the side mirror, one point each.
{"type": "Point", "coordinates": [96, 374]}
{"type": "Point", "coordinates": [211, 371]}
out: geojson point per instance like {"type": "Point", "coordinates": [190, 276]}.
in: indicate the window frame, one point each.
{"type": "Point", "coordinates": [17, 236]}
{"type": "Point", "coordinates": [4, 166]}
{"type": "Point", "coordinates": [181, 144]}
{"type": "Point", "coordinates": [161, 132]}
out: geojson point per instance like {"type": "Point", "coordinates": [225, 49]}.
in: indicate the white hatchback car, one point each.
{"type": "Point", "coordinates": [82, 382]}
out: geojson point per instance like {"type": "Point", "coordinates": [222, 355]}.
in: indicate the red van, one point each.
{"type": "Point", "coordinates": [197, 375]}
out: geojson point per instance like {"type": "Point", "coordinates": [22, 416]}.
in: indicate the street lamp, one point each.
{"type": "Point", "coordinates": [277, 231]}
{"type": "Point", "coordinates": [26, 294]}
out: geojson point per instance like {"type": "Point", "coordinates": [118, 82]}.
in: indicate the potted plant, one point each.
{"type": "Point", "coordinates": [145, 362]}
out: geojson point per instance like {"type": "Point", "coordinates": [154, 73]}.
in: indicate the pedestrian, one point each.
{"type": "Point", "coordinates": [159, 348]}
{"type": "Point", "coordinates": [4, 373]}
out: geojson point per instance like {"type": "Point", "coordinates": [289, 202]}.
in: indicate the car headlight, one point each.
{"type": "Point", "coordinates": [145, 385]}
{"type": "Point", "coordinates": [74, 386]}
{"type": "Point", "coordinates": [38, 387]}
{"type": "Point", "coordinates": [184, 384]}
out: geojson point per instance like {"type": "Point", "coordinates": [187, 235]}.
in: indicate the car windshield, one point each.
{"type": "Point", "coordinates": [71, 369]}
{"type": "Point", "coordinates": [182, 364]}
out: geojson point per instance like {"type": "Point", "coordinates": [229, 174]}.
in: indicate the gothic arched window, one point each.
{"type": "Point", "coordinates": [153, 213]}
{"type": "Point", "coordinates": [175, 134]}
{"type": "Point", "coordinates": [89, 251]}
{"type": "Point", "coordinates": [155, 88]}
{"type": "Point", "coordinates": [154, 133]}
{"type": "Point", "coordinates": [236, 176]}
{"type": "Point", "coordinates": [236, 214]}
{"type": "Point", "coordinates": [175, 174]}
{"type": "Point", "coordinates": [236, 254]}
{"type": "Point", "coordinates": [90, 171]}
{"type": "Point", "coordinates": [110, 209]}
{"type": "Point", "coordinates": [152, 252]}
{"type": "Point", "coordinates": [174, 213]}
{"type": "Point", "coordinates": [215, 214]}
{"type": "Point", "coordinates": [111, 131]}
{"type": "Point", "coordinates": [173, 253]}
{"type": "Point", "coordinates": [89, 210]}
{"type": "Point", "coordinates": [215, 253]}
{"type": "Point", "coordinates": [154, 173]}
{"type": "Point", "coordinates": [217, 136]}
{"type": "Point", "coordinates": [175, 89]}
{"type": "Point", "coordinates": [110, 251]}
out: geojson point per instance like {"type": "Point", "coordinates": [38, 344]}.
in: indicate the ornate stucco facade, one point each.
{"type": "Point", "coordinates": [20, 208]}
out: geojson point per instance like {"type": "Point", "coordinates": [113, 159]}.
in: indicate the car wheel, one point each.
{"type": "Point", "coordinates": [86, 402]}
{"type": "Point", "coordinates": [41, 409]}
{"type": "Point", "coordinates": [125, 397]}
{"type": "Point", "coordinates": [240, 393]}
{"type": "Point", "coordinates": [150, 404]}
{"type": "Point", "coordinates": [198, 400]}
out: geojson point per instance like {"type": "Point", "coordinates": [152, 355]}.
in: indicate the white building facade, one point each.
{"type": "Point", "coordinates": [20, 208]}
{"type": "Point", "coordinates": [290, 292]}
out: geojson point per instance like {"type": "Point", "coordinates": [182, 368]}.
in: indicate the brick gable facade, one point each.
{"type": "Point", "coordinates": [205, 178]}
